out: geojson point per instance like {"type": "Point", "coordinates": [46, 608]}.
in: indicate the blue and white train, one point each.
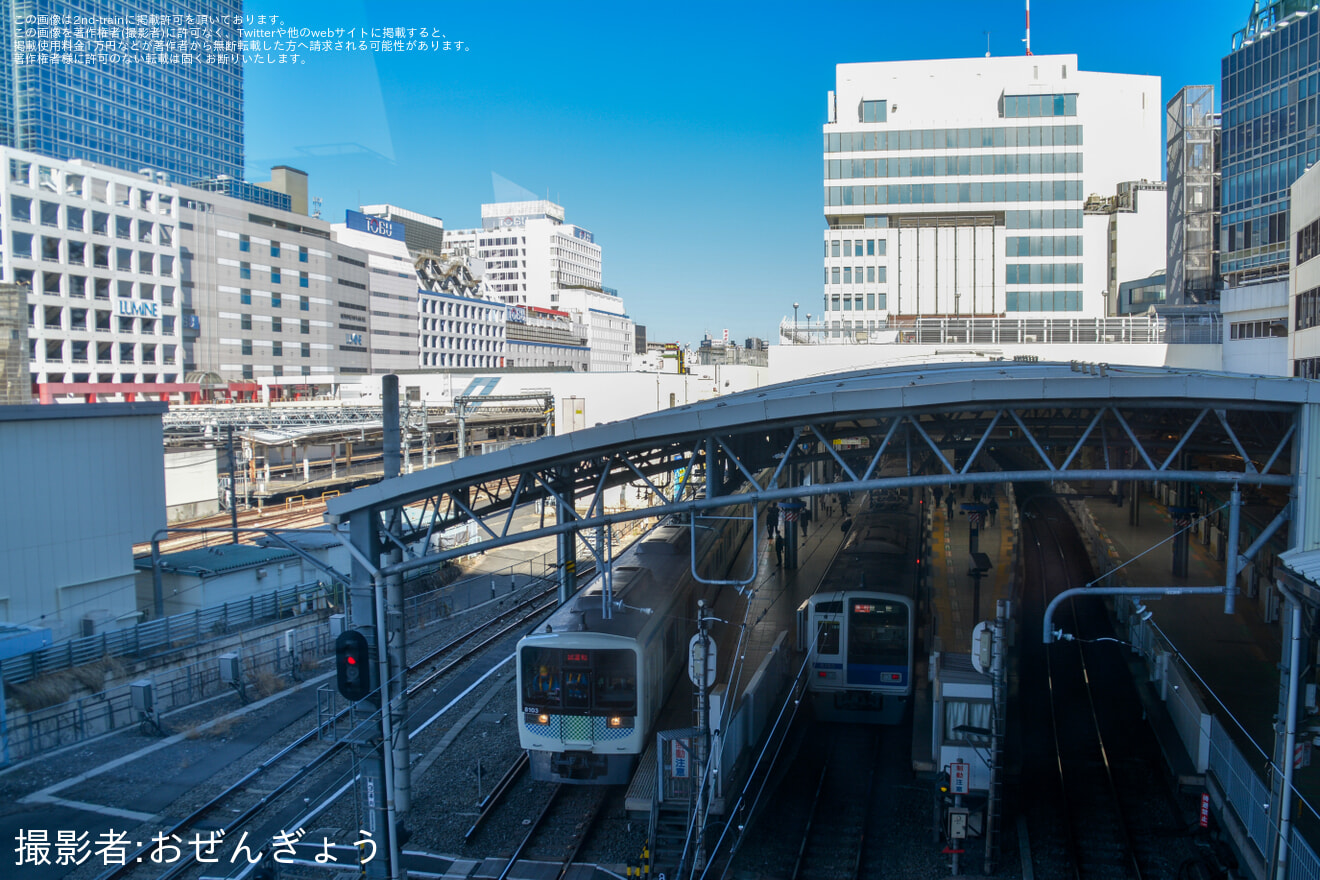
{"type": "Point", "coordinates": [590, 688]}
{"type": "Point", "coordinates": [858, 631]}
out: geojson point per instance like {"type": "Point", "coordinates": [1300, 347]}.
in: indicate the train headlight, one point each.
{"type": "Point", "coordinates": [616, 721]}
{"type": "Point", "coordinates": [543, 718]}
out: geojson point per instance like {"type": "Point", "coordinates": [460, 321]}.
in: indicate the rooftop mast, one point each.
{"type": "Point", "coordinates": [1028, 40]}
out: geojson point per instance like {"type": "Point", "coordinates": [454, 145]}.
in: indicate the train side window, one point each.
{"type": "Point", "coordinates": [827, 637]}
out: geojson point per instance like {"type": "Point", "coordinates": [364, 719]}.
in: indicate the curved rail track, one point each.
{"type": "Point", "coordinates": [522, 613]}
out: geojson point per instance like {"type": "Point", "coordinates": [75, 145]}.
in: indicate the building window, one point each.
{"type": "Point", "coordinates": [245, 322]}
{"type": "Point", "coordinates": [305, 326]}
{"type": "Point", "coordinates": [303, 279]}
{"type": "Point", "coordinates": [1020, 106]}
{"type": "Point", "coordinates": [1270, 328]}
{"type": "Point", "coordinates": [834, 274]}
{"type": "Point", "coordinates": [302, 254]}
{"type": "Point", "coordinates": [275, 301]}
{"type": "Point", "coordinates": [247, 346]}
{"type": "Point", "coordinates": [244, 243]}
{"type": "Point", "coordinates": [274, 248]}
{"type": "Point", "coordinates": [306, 349]}
{"type": "Point", "coordinates": [245, 296]}
{"type": "Point", "coordinates": [277, 349]}
{"type": "Point", "coordinates": [244, 270]}
{"type": "Point", "coordinates": [274, 275]}
{"type": "Point", "coordinates": [873, 111]}
{"type": "Point", "coordinates": [276, 325]}
{"type": "Point", "coordinates": [304, 304]}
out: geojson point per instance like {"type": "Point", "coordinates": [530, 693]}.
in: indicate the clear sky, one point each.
{"type": "Point", "coordinates": [686, 136]}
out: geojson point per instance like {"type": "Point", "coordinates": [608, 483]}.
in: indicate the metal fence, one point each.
{"type": "Point", "coordinates": [1178, 330]}
{"type": "Point", "coordinates": [31, 733]}
{"type": "Point", "coordinates": [1244, 791]}
{"type": "Point", "coordinates": [164, 634]}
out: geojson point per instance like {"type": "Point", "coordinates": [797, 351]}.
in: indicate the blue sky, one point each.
{"type": "Point", "coordinates": [686, 136]}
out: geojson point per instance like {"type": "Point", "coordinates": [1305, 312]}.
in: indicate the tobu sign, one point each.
{"type": "Point", "coordinates": [375, 225]}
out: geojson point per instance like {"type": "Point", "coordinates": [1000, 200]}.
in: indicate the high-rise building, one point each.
{"type": "Point", "coordinates": [96, 252]}
{"type": "Point", "coordinates": [529, 252]}
{"type": "Point", "coordinates": [269, 294]}
{"type": "Point", "coordinates": [391, 287]}
{"type": "Point", "coordinates": [1192, 161]}
{"type": "Point", "coordinates": [129, 85]}
{"type": "Point", "coordinates": [1270, 91]}
{"type": "Point", "coordinates": [956, 187]}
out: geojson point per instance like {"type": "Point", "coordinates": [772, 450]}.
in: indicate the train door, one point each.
{"type": "Point", "coordinates": [826, 644]}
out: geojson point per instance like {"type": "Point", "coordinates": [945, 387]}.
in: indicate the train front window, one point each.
{"type": "Point", "coordinates": [616, 681]}
{"type": "Point", "coordinates": [827, 637]}
{"type": "Point", "coordinates": [579, 681]}
{"type": "Point", "coordinates": [542, 683]}
{"type": "Point", "coordinates": [877, 632]}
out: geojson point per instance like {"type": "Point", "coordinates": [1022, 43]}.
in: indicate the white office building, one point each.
{"type": "Point", "coordinates": [529, 252]}
{"type": "Point", "coordinates": [98, 251]}
{"type": "Point", "coordinates": [609, 330]}
{"type": "Point", "coordinates": [956, 187]}
{"type": "Point", "coordinates": [1303, 301]}
{"type": "Point", "coordinates": [460, 332]}
{"type": "Point", "coordinates": [392, 289]}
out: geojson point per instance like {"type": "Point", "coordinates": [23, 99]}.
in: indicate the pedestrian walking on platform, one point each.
{"type": "Point", "coordinates": [779, 550]}
{"type": "Point", "coordinates": [772, 521]}
{"type": "Point", "coordinates": [948, 505]}
{"type": "Point", "coordinates": [805, 519]}
{"type": "Point", "coordinates": [993, 508]}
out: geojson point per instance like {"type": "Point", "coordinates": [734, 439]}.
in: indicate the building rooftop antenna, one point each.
{"type": "Point", "coordinates": [987, 43]}
{"type": "Point", "coordinates": [1028, 39]}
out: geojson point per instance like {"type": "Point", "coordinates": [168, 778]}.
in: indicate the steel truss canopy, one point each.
{"type": "Point", "coordinates": [895, 427]}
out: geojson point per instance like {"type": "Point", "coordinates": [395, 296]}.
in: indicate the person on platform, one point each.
{"type": "Point", "coordinates": [779, 550]}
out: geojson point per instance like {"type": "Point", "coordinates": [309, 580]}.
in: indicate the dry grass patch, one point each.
{"type": "Point", "coordinates": [60, 687]}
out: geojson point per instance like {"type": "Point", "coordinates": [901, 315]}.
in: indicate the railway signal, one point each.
{"type": "Point", "coordinates": [352, 656]}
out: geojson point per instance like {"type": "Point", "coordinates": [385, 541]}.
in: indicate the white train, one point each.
{"type": "Point", "coordinates": [590, 688]}
{"type": "Point", "coordinates": [859, 629]}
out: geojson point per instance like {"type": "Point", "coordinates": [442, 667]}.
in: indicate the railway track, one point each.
{"type": "Point", "coordinates": [1113, 809]}
{"type": "Point", "coordinates": [834, 842]}
{"type": "Point", "coordinates": [241, 813]}
{"type": "Point", "coordinates": [562, 827]}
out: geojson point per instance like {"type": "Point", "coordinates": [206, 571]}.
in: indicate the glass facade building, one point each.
{"type": "Point", "coordinates": [1270, 135]}
{"type": "Point", "coordinates": [146, 84]}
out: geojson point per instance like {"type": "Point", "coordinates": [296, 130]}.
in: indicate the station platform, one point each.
{"type": "Point", "coordinates": [765, 609]}
{"type": "Point", "coordinates": [1236, 657]}
{"type": "Point", "coordinates": [957, 598]}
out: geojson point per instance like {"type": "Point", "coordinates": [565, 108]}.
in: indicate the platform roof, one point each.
{"type": "Point", "coordinates": [929, 388]}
